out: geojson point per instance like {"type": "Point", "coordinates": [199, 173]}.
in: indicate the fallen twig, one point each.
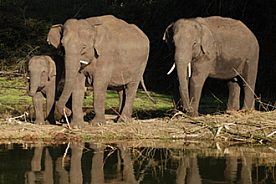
{"type": "Point", "coordinates": [271, 134]}
{"type": "Point", "coordinates": [219, 130]}
{"type": "Point", "coordinates": [66, 119]}
{"type": "Point", "coordinates": [18, 117]}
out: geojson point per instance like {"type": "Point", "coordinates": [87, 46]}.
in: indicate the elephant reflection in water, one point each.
{"type": "Point", "coordinates": [75, 164]}
{"type": "Point", "coordinates": [47, 169]}
{"type": "Point", "coordinates": [124, 169]}
{"type": "Point", "coordinates": [97, 173]}
{"type": "Point", "coordinates": [37, 174]}
{"type": "Point", "coordinates": [231, 169]}
{"type": "Point", "coordinates": [188, 171]}
{"type": "Point", "coordinates": [46, 174]}
{"type": "Point", "coordinates": [246, 177]}
{"type": "Point", "coordinates": [230, 172]}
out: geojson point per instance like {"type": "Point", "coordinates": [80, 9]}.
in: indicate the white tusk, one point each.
{"type": "Point", "coordinates": [189, 70]}
{"type": "Point", "coordinates": [84, 62]}
{"type": "Point", "coordinates": [172, 68]}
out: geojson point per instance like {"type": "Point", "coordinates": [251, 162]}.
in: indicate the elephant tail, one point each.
{"type": "Point", "coordinates": [146, 91]}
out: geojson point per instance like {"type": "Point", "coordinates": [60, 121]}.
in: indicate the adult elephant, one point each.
{"type": "Point", "coordinates": [216, 47]}
{"type": "Point", "coordinates": [107, 50]}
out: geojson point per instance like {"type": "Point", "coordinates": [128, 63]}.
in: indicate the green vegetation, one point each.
{"type": "Point", "coordinates": [13, 95]}
{"type": "Point", "coordinates": [14, 98]}
{"type": "Point", "coordinates": [142, 101]}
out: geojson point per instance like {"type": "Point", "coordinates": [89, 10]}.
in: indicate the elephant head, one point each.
{"type": "Point", "coordinates": [41, 69]}
{"type": "Point", "coordinates": [82, 41]}
{"type": "Point", "coordinates": [192, 39]}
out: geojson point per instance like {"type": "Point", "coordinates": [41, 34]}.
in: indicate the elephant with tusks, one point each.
{"type": "Point", "coordinates": [216, 47]}
{"type": "Point", "coordinates": [107, 50]}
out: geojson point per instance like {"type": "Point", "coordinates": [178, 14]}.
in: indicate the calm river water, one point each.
{"type": "Point", "coordinates": [133, 163]}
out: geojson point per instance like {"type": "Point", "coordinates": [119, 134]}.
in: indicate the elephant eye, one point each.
{"type": "Point", "coordinates": [43, 73]}
{"type": "Point", "coordinates": [194, 44]}
{"type": "Point", "coordinates": [83, 50]}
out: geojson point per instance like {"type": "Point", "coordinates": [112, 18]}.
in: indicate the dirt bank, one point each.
{"type": "Point", "coordinates": [242, 127]}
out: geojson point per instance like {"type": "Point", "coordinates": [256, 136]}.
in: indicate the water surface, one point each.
{"type": "Point", "coordinates": [134, 163]}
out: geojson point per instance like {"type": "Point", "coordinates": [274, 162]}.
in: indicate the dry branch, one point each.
{"type": "Point", "coordinates": [243, 127]}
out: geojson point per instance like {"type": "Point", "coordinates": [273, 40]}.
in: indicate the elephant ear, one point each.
{"type": "Point", "coordinates": [100, 36]}
{"type": "Point", "coordinates": [92, 35]}
{"type": "Point", "coordinates": [168, 34]}
{"type": "Point", "coordinates": [54, 35]}
{"type": "Point", "coordinates": [208, 42]}
{"type": "Point", "coordinates": [51, 67]}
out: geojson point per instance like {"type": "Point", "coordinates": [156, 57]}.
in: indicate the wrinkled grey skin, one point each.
{"type": "Point", "coordinates": [45, 74]}
{"type": "Point", "coordinates": [115, 55]}
{"type": "Point", "coordinates": [216, 47]}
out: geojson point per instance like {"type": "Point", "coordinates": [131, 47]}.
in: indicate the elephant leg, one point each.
{"type": "Point", "coordinates": [196, 85]}
{"type": "Point", "coordinates": [50, 103]}
{"type": "Point", "coordinates": [99, 92]}
{"type": "Point", "coordinates": [122, 101]}
{"type": "Point", "coordinates": [249, 101]}
{"type": "Point", "coordinates": [130, 96]}
{"type": "Point", "coordinates": [176, 95]}
{"type": "Point", "coordinates": [38, 108]}
{"type": "Point", "coordinates": [77, 102]}
{"type": "Point", "coordinates": [249, 74]}
{"type": "Point", "coordinates": [233, 103]}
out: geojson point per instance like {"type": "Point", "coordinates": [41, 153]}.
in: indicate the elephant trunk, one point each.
{"type": "Point", "coordinates": [34, 84]}
{"type": "Point", "coordinates": [182, 60]}
{"type": "Point", "coordinates": [72, 67]}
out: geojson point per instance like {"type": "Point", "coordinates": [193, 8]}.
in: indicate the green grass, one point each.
{"type": "Point", "coordinates": [14, 99]}
{"type": "Point", "coordinates": [142, 101]}
{"type": "Point", "coordinates": [13, 95]}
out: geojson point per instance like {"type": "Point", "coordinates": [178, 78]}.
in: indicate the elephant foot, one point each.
{"type": "Point", "coordinates": [60, 110]}
{"type": "Point", "coordinates": [231, 111]}
{"type": "Point", "coordinates": [51, 121]}
{"type": "Point", "coordinates": [78, 124]}
{"type": "Point", "coordinates": [41, 122]}
{"type": "Point", "coordinates": [247, 110]}
{"type": "Point", "coordinates": [192, 113]}
{"type": "Point", "coordinates": [47, 122]}
{"type": "Point", "coordinates": [97, 121]}
{"type": "Point", "coordinates": [123, 119]}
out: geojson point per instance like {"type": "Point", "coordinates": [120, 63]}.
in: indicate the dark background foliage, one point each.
{"type": "Point", "coordinates": [25, 23]}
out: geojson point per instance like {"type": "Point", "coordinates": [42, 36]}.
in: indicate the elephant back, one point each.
{"type": "Point", "coordinates": [120, 29]}
{"type": "Point", "coordinates": [216, 23]}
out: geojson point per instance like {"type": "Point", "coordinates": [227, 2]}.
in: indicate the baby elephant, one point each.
{"type": "Point", "coordinates": [45, 74]}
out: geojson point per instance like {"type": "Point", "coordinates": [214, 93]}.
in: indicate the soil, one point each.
{"type": "Point", "coordinates": [240, 127]}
